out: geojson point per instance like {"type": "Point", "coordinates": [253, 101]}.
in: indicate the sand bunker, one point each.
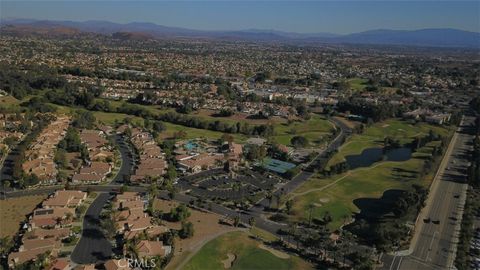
{"type": "Point", "coordinates": [324, 200]}
{"type": "Point", "coordinates": [276, 253]}
{"type": "Point", "coordinates": [227, 263]}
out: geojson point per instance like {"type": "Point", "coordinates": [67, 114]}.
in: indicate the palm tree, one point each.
{"type": "Point", "coordinates": [6, 184]}
{"type": "Point", "coordinates": [158, 263]}
{"type": "Point", "coordinates": [69, 216]}
{"type": "Point", "coordinates": [292, 230]}
{"type": "Point", "coordinates": [310, 209]}
{"type": "Point", "coordinates": [277, 199]}
{"type": "Point", "coordinates": [251, 222]}
{"type": "Point", "coordinates": [347, 239]}
{"type": "Point", "coordinates": [131, 248]}
{"type": "Point", "coordinates": [269, 198]}
{"type": "Point", "coordinates": [153, 190]}
{"type": "Point", "coordinates": [58, 220]}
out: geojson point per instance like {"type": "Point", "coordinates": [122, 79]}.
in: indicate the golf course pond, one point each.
{"type": "Point", "coordinates": [372, 155]}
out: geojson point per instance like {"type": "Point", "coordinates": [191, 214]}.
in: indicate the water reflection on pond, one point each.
{"type": "Point", "coordinates": [372, 155]}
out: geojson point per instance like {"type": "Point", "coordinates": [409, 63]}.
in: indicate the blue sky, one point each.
{"type": "Point", "coordinates": [296, 16]}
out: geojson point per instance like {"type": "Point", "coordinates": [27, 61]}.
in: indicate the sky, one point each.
{"type": "Point", "coordinates": [340, 17]}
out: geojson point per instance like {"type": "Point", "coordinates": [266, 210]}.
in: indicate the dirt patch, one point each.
{"type": "Point", "coordinates": [15, 210]}
{"type": "Point", "coordinates": [228, 262]}
{"type": "Point", "coordinates": [276, 253]}
{"type": "Point", "coordinates": [386, 125]}
{"type": "Point", "coordinates": [206, 227]}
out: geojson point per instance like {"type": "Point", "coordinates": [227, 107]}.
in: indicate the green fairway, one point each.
{"type": "Point", "coordinates": [316, 129]}
{"type": "Point", "coordinates": [110, 118]}
{"type": "Point", "coordinates": [192, 133]}
{"type": "Point", "coordinates": [337, 194]}
{"type": "Point", "coordinates": [373, 136]}
{"type": "Point", "coordinates": [357, 84]}
{"type": "Point", "coordinates": [248, 255]}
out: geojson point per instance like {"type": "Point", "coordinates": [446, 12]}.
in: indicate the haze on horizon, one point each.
{"type": "Point", "coordinates": [341, 17]}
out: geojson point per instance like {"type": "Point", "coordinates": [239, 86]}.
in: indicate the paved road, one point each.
{"type": "Point", "coordinates": [127, 161]}
{"type": "Point", "coordinates": [93, 246]}
{"type": "Point", "coordinates": [305, 175]}
{"type": "Point", "coordinates": [7, 167]}
{"type": "Point", "coordinates": [433, 245]}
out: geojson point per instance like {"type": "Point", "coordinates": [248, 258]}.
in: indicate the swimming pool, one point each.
{"type": "Point", "coordinates": [190, 145]}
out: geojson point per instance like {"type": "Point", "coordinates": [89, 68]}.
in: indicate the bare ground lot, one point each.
{"type": "Point", "coordinates": [206, 227]}
{"type": "Point", "coordinates": [14, 210]}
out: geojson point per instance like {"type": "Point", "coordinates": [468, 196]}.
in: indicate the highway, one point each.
{"type": "Point", "coordinates": [434, 242]}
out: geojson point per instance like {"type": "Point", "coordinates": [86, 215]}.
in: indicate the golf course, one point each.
{"type": "Point", "coordinates": [337, 193]}
{"type": "Point", "coordinates": [237, 250]}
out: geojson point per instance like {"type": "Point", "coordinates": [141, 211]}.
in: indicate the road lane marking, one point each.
{"type": "Point", "coordinates": [399, 263]}
{"type": "Point", "coordinates": [393, 262]}
{"type": "Point", "coordinates": [431, 244]}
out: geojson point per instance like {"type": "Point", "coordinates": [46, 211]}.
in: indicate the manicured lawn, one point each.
{"type": "Point", "coordinates": [237, 117]}
{"type": "Point", "coordinates": [197, 133]}
{"type": "Point", "coordinates": [13, 211]}
{"type": "Point", "coordinates": [315, 130]}
{"type": "Point", "coordinates": [358, 84]}
{"type": "Point", "coordinates": [373, 136]}
{"type": "Point", "coordinates": [337, 194]}
{"type": "Point", "coordinates": [248, 255]}
{"type": "Point", "coordinates": [110, 118]}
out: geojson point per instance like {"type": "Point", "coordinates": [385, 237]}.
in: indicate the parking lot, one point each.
{"type": "Point", "coordinates": [217, 184]}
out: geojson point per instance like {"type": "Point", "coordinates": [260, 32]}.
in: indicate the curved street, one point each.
{"type": "Point", "coordinates": [93, 246]}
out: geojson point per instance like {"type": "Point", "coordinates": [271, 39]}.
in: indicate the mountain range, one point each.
{"type": "Point", "coordinates": [440, 37]}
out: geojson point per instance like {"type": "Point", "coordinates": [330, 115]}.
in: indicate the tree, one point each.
{"type": "Point", "coordinates": [60, 158]}
{"type": "Point", "coordinates": [277, 199]}
{"type": "Point", "coordinates": [6, 243]}
{"type": "Point", "coordinates": [179, 213]}
{"type": "Point", "coordinates": [327, 217]}
{"type": "Point", "coordinates": [236, 221]}
{"type": "Point", "coordinates": [153, 191]}
{"type": "Point", "coordinates": [288, 206]}
{"type": "Point", "coordinates": [6, 184]}
{"type": "Point", "coordinates": [84, 119]}
{"type": "Point", "coordinates": [187, 230]}
{"type": "Point", "coordinates": [251, 222]}
{"type": "Point", "coordinates": [269, 197]}
{"type": "Point", "coordinates": [310, 209]}
{"type": "Point", "coordinates": [171, 172]}
{"type": "Point", "coordinates": [131, 248]}
{"type": "Point", "coordinates": [299, 141]}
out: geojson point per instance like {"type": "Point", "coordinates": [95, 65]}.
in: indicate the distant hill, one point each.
{"type": "Point", "coordinates": [140, 30]}
{"type": "Point", "coordinates": [131, 36]}
{"type": "Point", "coordinates": [423, 37]}
{"type": "Point", "coordinates": [49, 30]}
